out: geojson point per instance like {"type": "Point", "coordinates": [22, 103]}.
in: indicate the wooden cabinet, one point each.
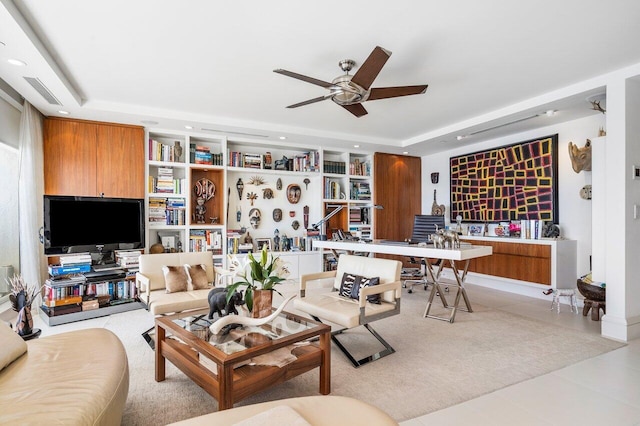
{"type": "Point", "coordinates": [544, 262]}
{"type": "Point", "coordinates": [86, 158]}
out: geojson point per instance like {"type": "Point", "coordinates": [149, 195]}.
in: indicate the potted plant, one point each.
{"type": "Point", "coordinates": [259, 276]}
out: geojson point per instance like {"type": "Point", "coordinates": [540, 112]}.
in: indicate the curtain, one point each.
{"type": "Point", "coordinates": [31, 190]}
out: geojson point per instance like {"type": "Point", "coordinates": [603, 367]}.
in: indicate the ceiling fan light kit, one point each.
{"type": "Point", "coordinates": [349, 91]}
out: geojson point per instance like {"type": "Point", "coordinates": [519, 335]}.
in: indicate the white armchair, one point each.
{"type": "Point", "coordinates": [349, 312]}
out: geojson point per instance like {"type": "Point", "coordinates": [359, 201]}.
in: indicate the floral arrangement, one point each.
{"type": "Point", "coordinates": [261, 273]}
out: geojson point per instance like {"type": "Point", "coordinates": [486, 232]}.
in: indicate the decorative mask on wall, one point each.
{"type": "Point", "coordinates": [240, 187]}
{"type": "Point", "coordinates": [254, 217]}
{"type": "Point", "coordinates": [279, 184]}
{"type": "Point", "coordinates": [580, 157]}
{"type": "Point", "coordinates": [267, 193]}
{"type": "Point", "coordinates": [293, 193]}
{"type": "Point", "coordinates": [277, 215]}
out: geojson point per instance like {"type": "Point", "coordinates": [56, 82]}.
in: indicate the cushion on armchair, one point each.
{"type": "Point", "coordinates": [352, 283]}
{"type": "Point", "coordinates": [175, 278]}
{"type": "Point", "coordinates": [197, 275]}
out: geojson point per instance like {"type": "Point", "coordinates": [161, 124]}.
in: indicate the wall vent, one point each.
{"type": "Point", "coordinates": [42, 89]}
{"type": "Point", "coordinates": [235, 133]}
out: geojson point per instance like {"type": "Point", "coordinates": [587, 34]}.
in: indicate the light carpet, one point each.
{"type": "Point", "coordinates": [437, 364]}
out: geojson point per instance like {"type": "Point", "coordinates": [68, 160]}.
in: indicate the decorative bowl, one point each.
{"type": "Point", "coordinates": [592, 292]}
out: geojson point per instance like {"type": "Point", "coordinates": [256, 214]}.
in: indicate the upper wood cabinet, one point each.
{"type": "Point", "coordinates": [86, 158]}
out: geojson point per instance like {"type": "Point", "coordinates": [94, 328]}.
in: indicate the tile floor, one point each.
{"type": "Point", "coordinates": [604, 390]}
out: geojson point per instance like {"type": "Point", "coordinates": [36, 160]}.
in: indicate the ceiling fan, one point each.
{"type": "Point", "coordinates": [349, 91]}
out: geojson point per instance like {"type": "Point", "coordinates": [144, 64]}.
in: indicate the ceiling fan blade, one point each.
{"type": "Point", "coordinates": [371, 67]}
{"type": "Point", "coordinates": [307, 79]}
{"type": "Point", "coordinates": [312, 101]}
{"type": "Point", "coordinates": [355, 109]}
{"type": "Point", "coordinates": [393, 92]}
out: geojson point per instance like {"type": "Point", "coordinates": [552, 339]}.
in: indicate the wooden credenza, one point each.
{"type": "Point", "coordinates": [87, 158]}
{"type": "Point", "coordinates": [546, 262]}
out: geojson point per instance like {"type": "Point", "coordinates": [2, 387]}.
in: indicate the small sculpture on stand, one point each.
{"type": "Point", "coordinates": [21, 298]}
{"type": "Point", "coordinates": [200, 210]}
{"type": "Point", "coordinates": [177, 150]}
{"type": "Point", "coordinates": [276, 240]}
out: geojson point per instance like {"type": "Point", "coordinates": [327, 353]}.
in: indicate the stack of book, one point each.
{"type": "Point", "coordinates": [205, 239]}
{"type": "Point", "coordinates": [128, 258]}
{"type": "Point", "coordinates": [253, 161]}
{"type": "Point", "coordinates": [165, 183]}
{"type": "Point", "coordinates": [157, 210]}
{"type": "Point", "coordinates": [360, 191]}
{"type": "Point", "coordinates": [71, 264]}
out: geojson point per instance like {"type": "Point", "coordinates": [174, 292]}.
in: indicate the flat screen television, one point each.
{"type": "Point", "coordinates": [92, 224]}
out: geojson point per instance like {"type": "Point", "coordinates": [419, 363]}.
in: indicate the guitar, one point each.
{"type": "Point", "coordinates": [436, 209]}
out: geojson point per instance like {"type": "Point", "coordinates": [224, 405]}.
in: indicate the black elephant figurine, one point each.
{"type": "Point", "coordinates": [218, 302]}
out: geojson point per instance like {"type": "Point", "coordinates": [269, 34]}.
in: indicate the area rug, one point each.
{"type": "Point", "coordinates": [437, 364]}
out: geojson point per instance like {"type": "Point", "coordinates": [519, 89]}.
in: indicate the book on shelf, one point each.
{"type": "Point", "coordinates": [337, 167]}
{"type": "Point", "coordinates": [69, 269]}
{"type": "Point", "coordinates": [75, 259]}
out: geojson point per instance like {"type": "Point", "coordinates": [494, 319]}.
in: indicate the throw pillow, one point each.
{"type": "Point", "coordinates": [197, 276]}
{"type": "Point", "coordinates": [175, 278]}
{"type": "Point", "coordinates": [351, 285]}
{"type": "Point", "coordinates": [12, 345]}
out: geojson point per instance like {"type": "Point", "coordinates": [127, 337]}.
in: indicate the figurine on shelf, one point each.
{"type": "Point", "coordinates": [276, 240]}
{"type": "Point", "coordinates": [200, 210]}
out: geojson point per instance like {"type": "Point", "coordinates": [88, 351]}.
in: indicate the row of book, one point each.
{"type": "Point", "coordinates": [159, 151]}
{"type": "Point", "coordinates": [55, 296]}
{"type": "Point", "coordinates": [360, 168]}
{"type": "Point", "coordinates": [205, 239]}
{"type": "Point", "coordinates": [168, 211]}
{"type": "Point", "coordinates": [200, 154]}
{"type": "Point", "coordinates": [338, 167]}
{"type": "Point", "coordinates": [332, 189]}
{"type": "Point", "coordinates": [360, 191]}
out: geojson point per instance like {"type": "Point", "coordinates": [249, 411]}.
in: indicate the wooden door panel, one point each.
{"type": "Point", "coordinates": [120, 161]}
{"type": "Point", "coordinates": [69, 158]}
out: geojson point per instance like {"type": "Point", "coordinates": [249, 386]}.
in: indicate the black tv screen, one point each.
{"type": "Point", "coordinates": [78, 224]}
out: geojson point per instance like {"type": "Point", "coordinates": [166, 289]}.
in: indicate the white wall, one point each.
{"type": "Point", "coordinates": [9, 231]}
{"type": "Point", "coordinates": [575, 213]}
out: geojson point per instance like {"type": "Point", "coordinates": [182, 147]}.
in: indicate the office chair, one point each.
{"type": "Point", "coordinates": [423, 226]}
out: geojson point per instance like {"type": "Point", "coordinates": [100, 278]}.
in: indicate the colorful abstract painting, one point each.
{"type": "Point", "coordinates": [511, 182]}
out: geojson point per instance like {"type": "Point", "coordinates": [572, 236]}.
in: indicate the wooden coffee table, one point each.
{"type": "Point", "coordinates": [222, 365]}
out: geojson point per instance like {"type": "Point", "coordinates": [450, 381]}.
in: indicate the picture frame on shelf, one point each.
{"type": "Point", "coordinates": [260, 242]}
{"type": "Point", "coordinates": [476, 230]}
{"type": "Point", "coordinates": [170, 240]}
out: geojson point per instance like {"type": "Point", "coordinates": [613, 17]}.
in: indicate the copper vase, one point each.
{"type": "Point", "coordinates": [262, 302]}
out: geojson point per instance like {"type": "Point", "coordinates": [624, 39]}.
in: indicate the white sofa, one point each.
{"type": "Point", "coordinates": [74, 378]}
{"type": "Point", "coordinates": [152, 288]}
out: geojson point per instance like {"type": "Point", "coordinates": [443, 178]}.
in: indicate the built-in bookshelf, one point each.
{"type": "Point", "coordinates": [255, 193]}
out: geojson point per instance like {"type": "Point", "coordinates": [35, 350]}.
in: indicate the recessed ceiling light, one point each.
{"type": "Point", "coordinates": [188, 127]}
{"type": "Point", "coordinates": [63, 112]}
{"type": "Point", "coordinates": [356, 146]}
{"type": "Point", "coordinates": [405, 152]}
{"type": "Point", "coordinates": [460, 137]}
{"type": "Point", "coordinates": [17, 62]}
{"type": "Point", "coordinates": [283, 137]}
{"type": "Point", "coordinates": [149, 122]}
{"type": "Point", "coordinates": [550, 113]}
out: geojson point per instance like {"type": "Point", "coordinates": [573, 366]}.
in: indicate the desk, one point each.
{"type": "Point", "coordinates": [463, 254]}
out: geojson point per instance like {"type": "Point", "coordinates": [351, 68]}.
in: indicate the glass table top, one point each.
{"type": "Point", "coordinates": [235, 337]}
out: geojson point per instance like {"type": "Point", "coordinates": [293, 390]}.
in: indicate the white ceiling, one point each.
{"type": "Point", "coordinates": [210, 64]}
